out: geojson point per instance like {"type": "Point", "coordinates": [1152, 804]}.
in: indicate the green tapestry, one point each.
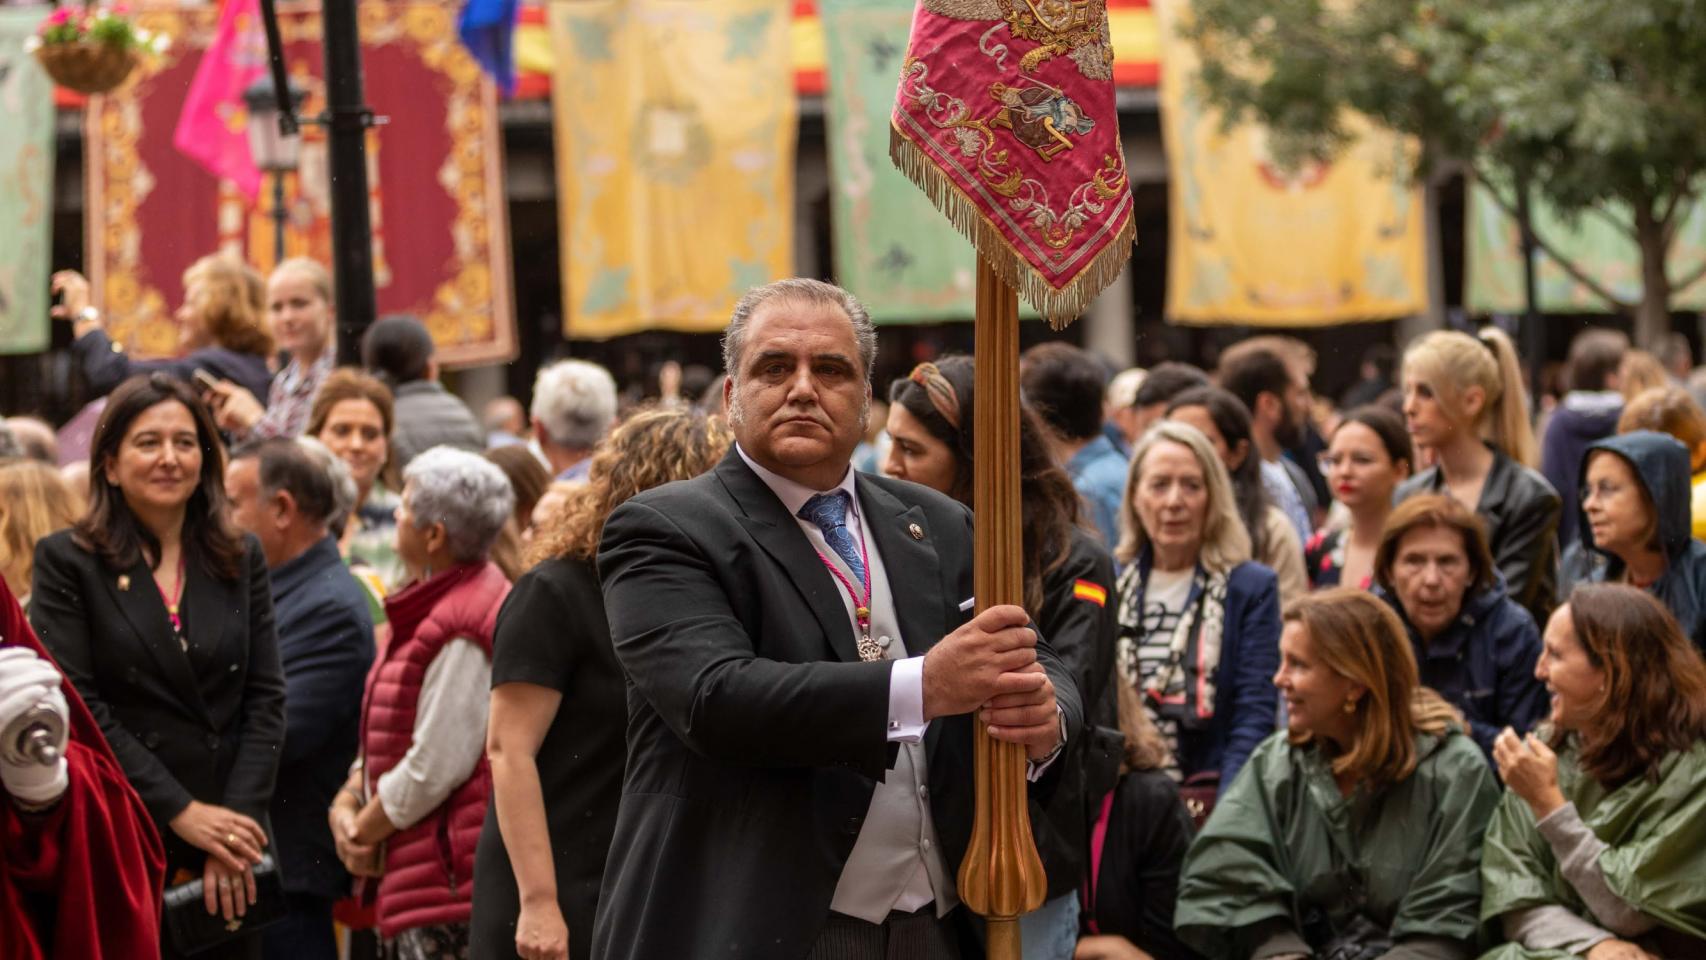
{"type": "Point", "coordinates": [26, 186]}
{"type": "Point", "coordinates": [1493, 259]}
{"type": "Point", "coordinates": [903, 260]}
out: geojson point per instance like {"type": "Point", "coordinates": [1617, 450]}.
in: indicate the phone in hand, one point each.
{"type": "Point", "coordinates": [205, 381]}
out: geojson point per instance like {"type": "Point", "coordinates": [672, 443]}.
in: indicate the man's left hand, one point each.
{"type": "Point", "coordinates": [1029, 718]}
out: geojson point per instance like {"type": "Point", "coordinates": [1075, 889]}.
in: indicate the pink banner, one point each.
{"type": "Point", "coordinates": [1005, 117]}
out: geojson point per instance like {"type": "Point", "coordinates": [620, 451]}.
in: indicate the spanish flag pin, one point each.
{"type": "Point", "coordinates": [1093, 592]}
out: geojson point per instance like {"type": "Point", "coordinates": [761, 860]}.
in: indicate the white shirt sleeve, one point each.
{"type": "Point", "coordinates": [449, 735]}
{"type": "Point", "coordinates": [906, 701]}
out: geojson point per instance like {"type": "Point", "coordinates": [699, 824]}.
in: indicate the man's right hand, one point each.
{"type": "Point", "coordinates": [980, 661]}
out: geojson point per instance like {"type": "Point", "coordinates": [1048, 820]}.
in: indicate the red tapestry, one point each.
{"type": "Point", "coordinates": [435, 179]}
{"type": "Point", "coordinates": [1005, 117]}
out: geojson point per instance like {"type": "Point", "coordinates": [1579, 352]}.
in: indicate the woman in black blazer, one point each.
{"type": "Point", "coordinates": [161, 616]}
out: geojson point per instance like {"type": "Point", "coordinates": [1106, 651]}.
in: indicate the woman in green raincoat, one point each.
{"type": "Point", "coordinates": [1599, 847]}
{"type": "Point", "coordinates": [1356, 833]}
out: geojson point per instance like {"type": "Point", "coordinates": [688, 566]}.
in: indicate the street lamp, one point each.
{"type": "Point", "coordinates": [273, 150]}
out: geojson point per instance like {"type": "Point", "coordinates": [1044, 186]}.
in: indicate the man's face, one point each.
{"type": "Point", "coordinates": [248, 512]}
{"type": "Point", "coordinates": [1294, 411]}
{"type": "Point", "coordinates": [799, 399]}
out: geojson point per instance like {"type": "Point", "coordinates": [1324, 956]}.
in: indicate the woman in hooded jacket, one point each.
{"type": "Point", "coordinates": [1636, 501]}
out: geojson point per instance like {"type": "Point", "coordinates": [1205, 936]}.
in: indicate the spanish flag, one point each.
{"type": "Point", "coordinates": [1093, 592]}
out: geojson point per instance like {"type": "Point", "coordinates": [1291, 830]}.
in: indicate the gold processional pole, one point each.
{"type": "Point", "coordinates": [1001, 877]}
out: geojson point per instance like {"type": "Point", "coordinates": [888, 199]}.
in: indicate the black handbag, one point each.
{"type": "Point", "coordinates": [194, 930]}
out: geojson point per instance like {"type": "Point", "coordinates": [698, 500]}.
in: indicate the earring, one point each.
{"type": "Point", "coordinates": [1351, 705]}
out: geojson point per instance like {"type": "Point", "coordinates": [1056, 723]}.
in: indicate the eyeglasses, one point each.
{"type": "Point", "coordinates": [1605, 489]}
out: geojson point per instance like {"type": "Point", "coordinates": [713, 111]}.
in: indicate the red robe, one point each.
{"type": "Point", "coordinates": [84, 878]}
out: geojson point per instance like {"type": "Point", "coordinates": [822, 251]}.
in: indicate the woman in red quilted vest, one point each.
{"type": "Point", "coordinates": [411, 812]}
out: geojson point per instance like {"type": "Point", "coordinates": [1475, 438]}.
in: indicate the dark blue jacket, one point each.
{"type": "Point", "coordinates": [1483, 662]}
{"type": "Point", "coordinates": [325, 643]}
{"type": "Point", "coordinates": [1661, 465]}
{"type": "Point", "coordinates": [105, 366]}
{"type": "Point", "coordinates": [1246, 705]}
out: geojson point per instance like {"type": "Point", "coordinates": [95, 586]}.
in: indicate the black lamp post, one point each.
{"type": "Point", "coordinates": [272, 150]}
{"type": "Point", "coordinates": [347, 118]}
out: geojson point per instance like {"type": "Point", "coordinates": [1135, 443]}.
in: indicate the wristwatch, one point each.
{"type": "Point", "coordinates": [88, 315]}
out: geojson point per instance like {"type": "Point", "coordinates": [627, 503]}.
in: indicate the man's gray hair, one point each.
{"type": "Point", "coordinates": [464, 491]}
{"type": "Point", "coordinates": [801, 290]}
{"type": "Point", "coordinates": [344, 490]}
{"type": "Point", "coordinates": [575, 401]}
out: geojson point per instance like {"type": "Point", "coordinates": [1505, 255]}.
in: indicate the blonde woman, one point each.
{"type": "Point", "coordinates": [1198, 621]}
{"type": "Point", "coordinates": [299, 313]}
{"type": "Point", "coordinates": [1463, 401]}
{"type": "Point", "coordinates": [1357, 831]}
{"type": "Point", "coordinates": [221, 329]}
{"type": "Point", "coordinates": [34, 502]}
{"type": "Point", "coordinates": [556, 738]}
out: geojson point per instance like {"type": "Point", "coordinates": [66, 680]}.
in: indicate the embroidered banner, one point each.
{"type": "Point", "coordinates": [1251, 244]}
{"type": "Point", "coordinates": [26, 185]}
{"type": "Point", "coordinates": [440, 225]}
{"type": "Point", "coordinates": [1493, 259]}
{"type": "Point", "coordinates": [1005, 118]}
{"type": "Point", "coordinates": [905, 262]}
{"type": "Point", "coordinates": [675, 159]}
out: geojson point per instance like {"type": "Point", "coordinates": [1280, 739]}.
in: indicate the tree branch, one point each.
{"type": "Point", "coordinates": [1576, 273]}
{"type": "Point", "coordinates": [1674, 214]}
{"type": "Point", "coordinates": [1683, 283]}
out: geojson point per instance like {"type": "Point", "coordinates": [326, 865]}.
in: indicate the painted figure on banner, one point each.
{"type": "Point", "coordinates": [1040, 116]}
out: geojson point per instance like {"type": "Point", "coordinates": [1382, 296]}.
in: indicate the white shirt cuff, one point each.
{"type": "Point", "coordinates": [906, 701]}
{"type": "Point", "coordinates": [1034, 769]}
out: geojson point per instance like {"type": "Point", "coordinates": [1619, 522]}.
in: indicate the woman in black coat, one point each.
{"type": "Point", "coordinates": [160, 614]}
{"type": "Point", "coordinates": [559, 714]}
{"type": "Point", "coordinates": [1069, 591]}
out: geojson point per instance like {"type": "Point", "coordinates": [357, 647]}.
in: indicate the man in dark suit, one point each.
{"type": "Point", "coordinates": [803, 673]}
{"type": "Point", "coordinates": [284, 491]}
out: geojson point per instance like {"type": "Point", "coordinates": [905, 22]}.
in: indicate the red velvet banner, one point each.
{"type": "Point", "coordinates": [435, 172]}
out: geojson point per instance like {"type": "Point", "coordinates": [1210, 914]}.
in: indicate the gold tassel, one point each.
{"type": "Point", "coordinates": [1060, 306]}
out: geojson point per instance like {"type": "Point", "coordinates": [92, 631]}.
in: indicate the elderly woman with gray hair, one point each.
{"type": "Point", "coordinates": [421, 782]}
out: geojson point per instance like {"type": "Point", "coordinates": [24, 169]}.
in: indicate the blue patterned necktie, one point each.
{"type": "Point", "coordinates": [829, 512]}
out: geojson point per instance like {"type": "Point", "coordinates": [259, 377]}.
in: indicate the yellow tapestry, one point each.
{"type": "Point", "coordinates": [675, 124]}
{"type": "Point", "coordinates": [1250, 243]}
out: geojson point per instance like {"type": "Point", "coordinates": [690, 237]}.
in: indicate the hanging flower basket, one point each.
{"type": "Point", "coordinates": [91, 51]}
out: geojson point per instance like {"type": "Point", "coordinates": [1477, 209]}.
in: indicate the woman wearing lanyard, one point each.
{"type": "Point", "coordinates": [161, 616]}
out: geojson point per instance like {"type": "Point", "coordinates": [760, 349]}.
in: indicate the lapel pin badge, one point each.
{"type": "Point", "coordinates": [124, 581]}
{"type": "Point", "coordinates": [916, 531]}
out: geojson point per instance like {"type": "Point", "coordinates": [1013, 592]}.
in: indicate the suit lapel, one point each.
{"type": "Point", "coordinates": [910, 562]}
{"type": "Point", "coordinates": [138, 598]}
{"type": "Point", "coordinates": [779, 535]}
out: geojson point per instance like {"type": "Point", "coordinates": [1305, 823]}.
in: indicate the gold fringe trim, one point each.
{"type": "Point", "coordinates": [1060, 305]}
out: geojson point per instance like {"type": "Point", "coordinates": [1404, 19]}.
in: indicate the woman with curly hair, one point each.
{"type": "Point", "coordinates": [558, 715]}
{"type": "Point", "coordinates": [221, 329]}
{"type": "Point", "coordinates": [1596, 850]}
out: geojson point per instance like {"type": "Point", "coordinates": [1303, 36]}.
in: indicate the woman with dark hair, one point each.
{"type": "Point", "coordinates": [1068, 585]}
{"type": "Point", "coordinates": [221, 329]}
{"type": "Point", "coordinates": [352, 416]}
{"type": "Point", "coordinates": [556, 737]}
{"type": "Point", "coordinates": [1223, 419]}
{"type": "Point", "coordinates": [1356, 832]}
{"type": "Point", "coordinates": [1369, 456]}
{"type": "Point", "coordinates": [1596, 849]}
{"type": "Point", "coordinates": [528, 480]}
{"type": "Point", "coordinates": [1474, 645]}
{"type": "Point", "coordinates": [160, 614]}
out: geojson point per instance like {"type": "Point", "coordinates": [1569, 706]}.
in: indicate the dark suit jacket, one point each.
{"type": "Point", "coordinates": [207, 725]}
{"type": "Point", "coordinates": [755, 733]}
{"type": "Point", "coordinates": [325, 643]}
